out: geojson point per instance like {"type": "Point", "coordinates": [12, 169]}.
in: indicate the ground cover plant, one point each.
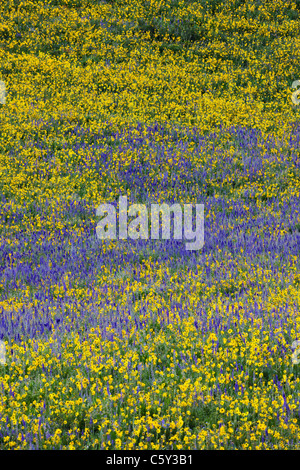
{"type": "Point", "coordinates": [140, 344]}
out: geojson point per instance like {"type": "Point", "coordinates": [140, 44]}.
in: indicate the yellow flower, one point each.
{"type": "Point", "coordinates": [118, 443]}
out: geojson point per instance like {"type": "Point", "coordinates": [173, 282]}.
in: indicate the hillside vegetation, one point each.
{"type": "Point", "coordinates": [141, 344]}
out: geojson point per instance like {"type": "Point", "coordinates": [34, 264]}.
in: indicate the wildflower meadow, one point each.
{"type": "Point", "coordinates": [140, 343]}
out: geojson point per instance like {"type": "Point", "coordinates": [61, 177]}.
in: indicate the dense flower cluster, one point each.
{"type": "Point", "coordinates": [141, 344]}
